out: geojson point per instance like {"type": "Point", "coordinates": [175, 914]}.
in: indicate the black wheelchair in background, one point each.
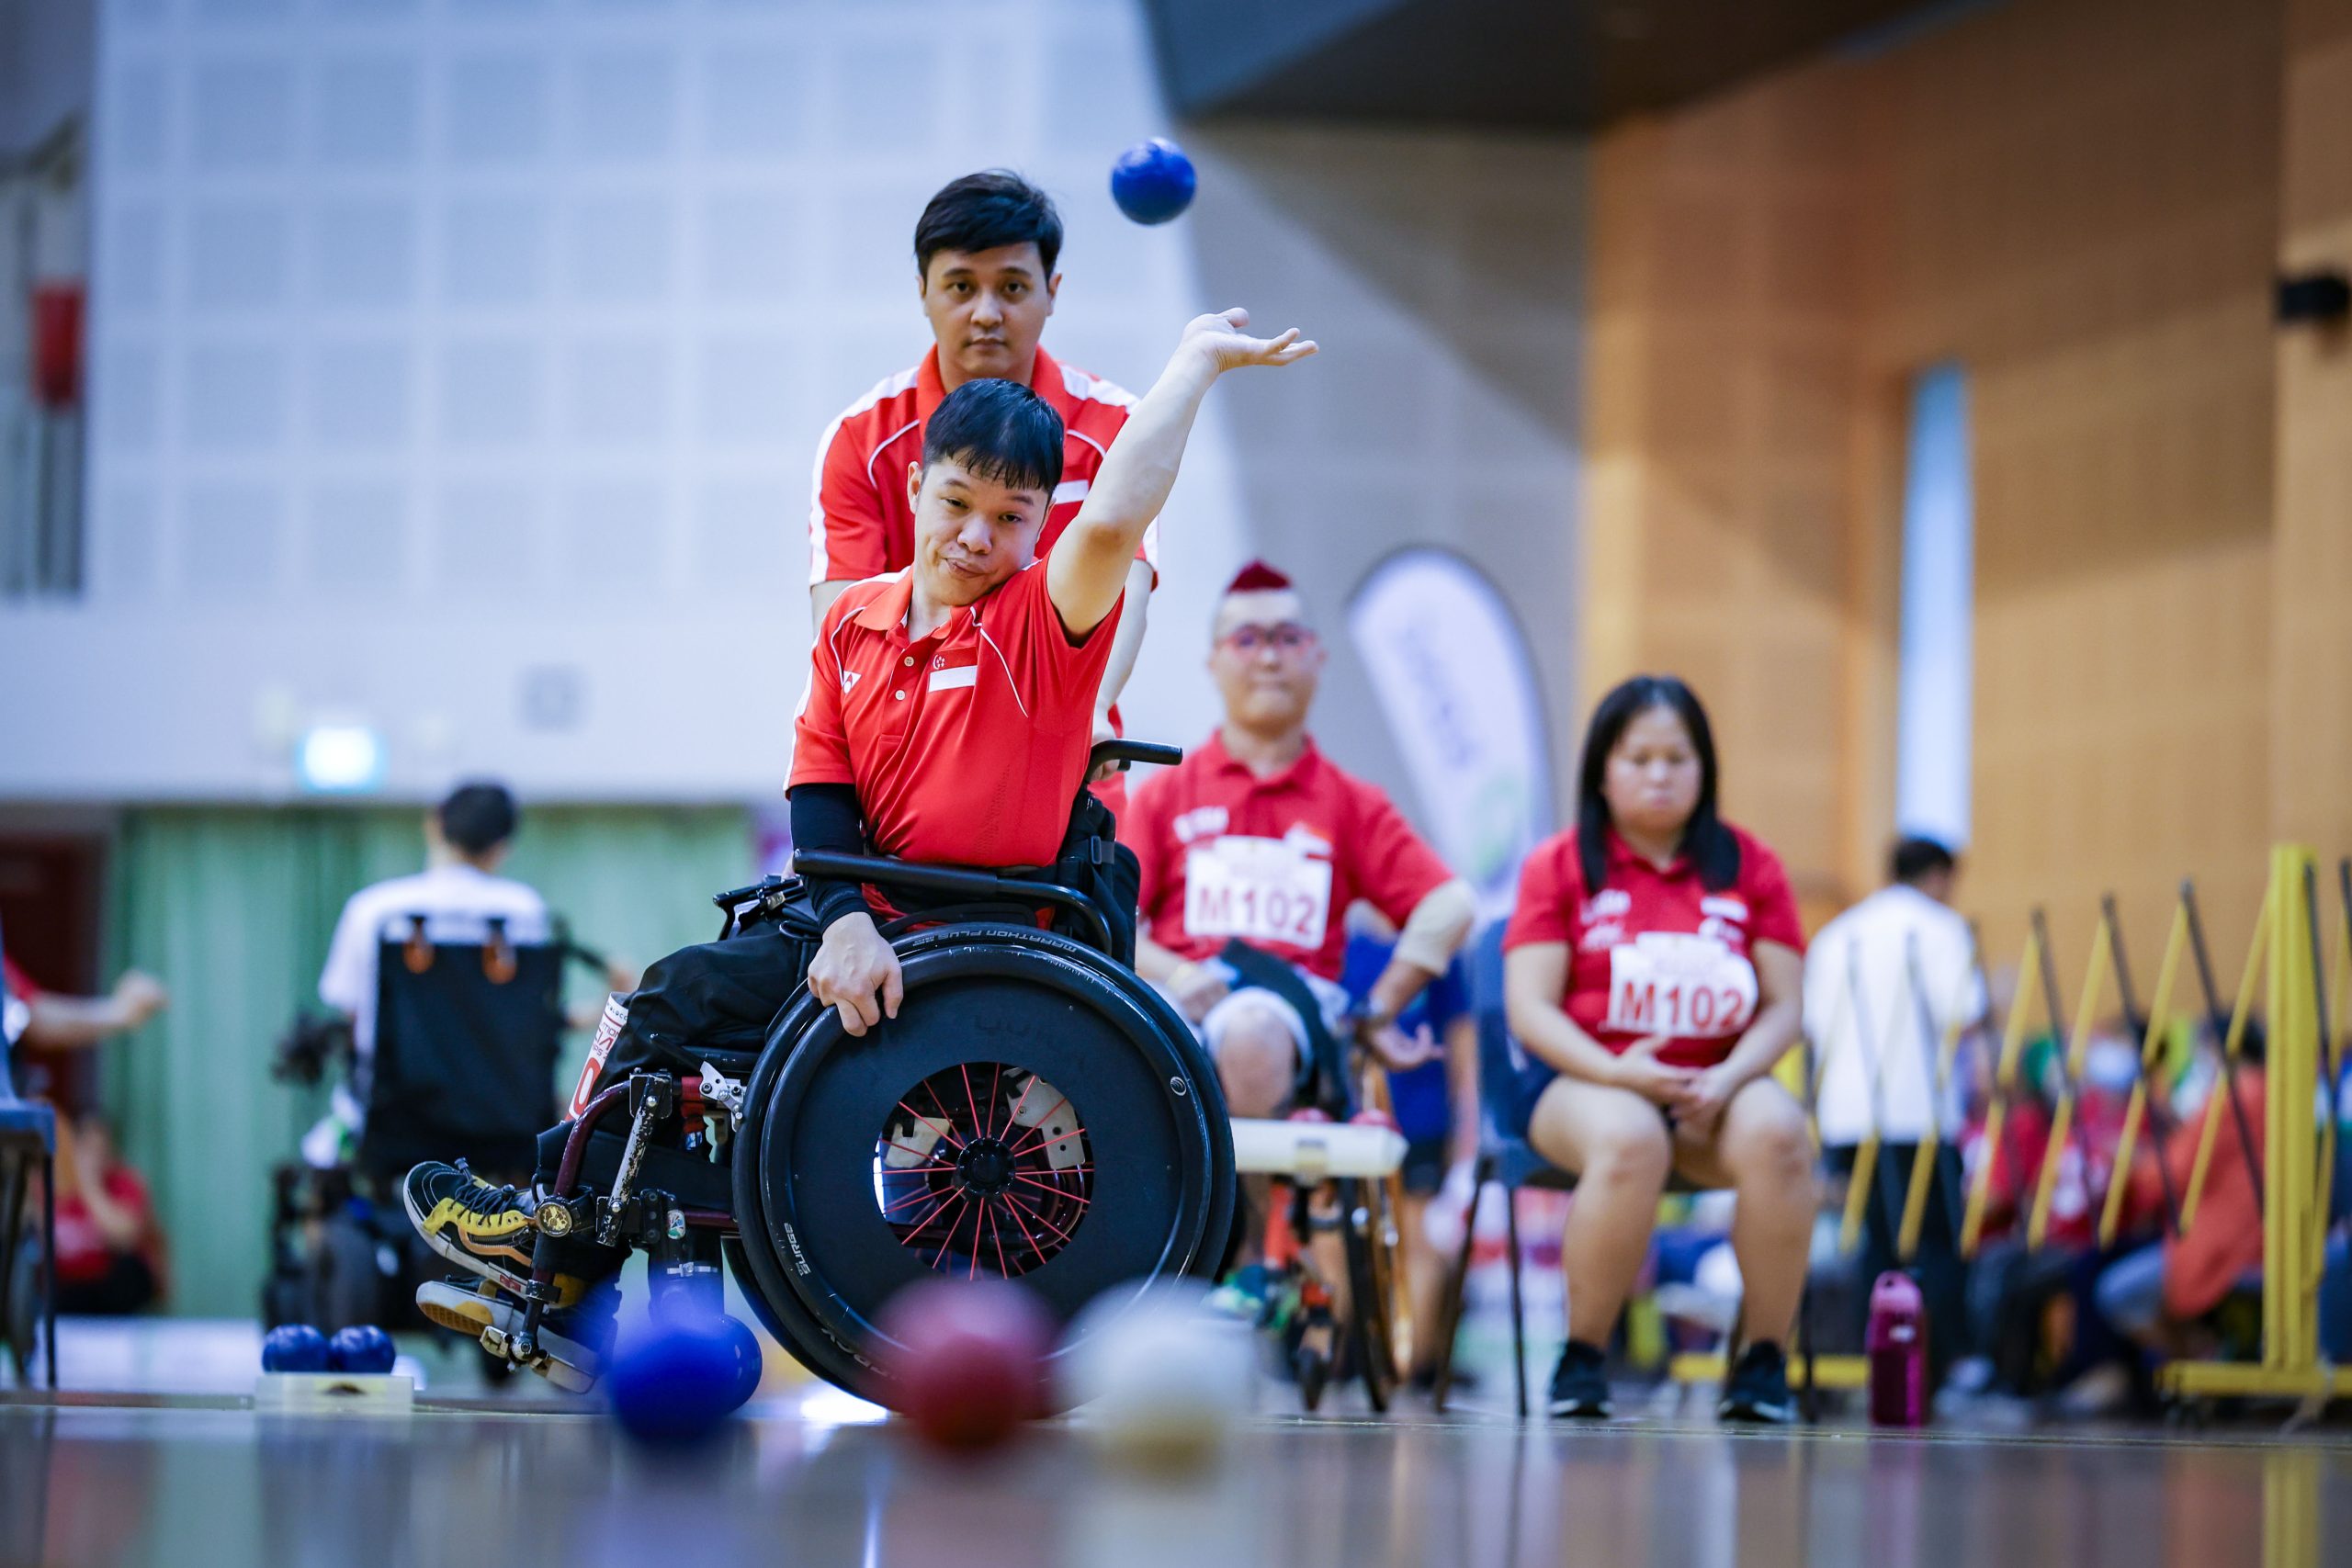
{"type": "Point", "coordinates": [466, 1040]}
{"type": "Point", "coordinates": [1035, 1112]}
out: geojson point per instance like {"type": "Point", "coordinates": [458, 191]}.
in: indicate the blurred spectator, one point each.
{"type": "Point", "coordinates": [109, 1249]}
{"type": "Point", "coordinates": [1906, 958]}
{"type": "Point", "coordinates": [2163, 1295]}
{"type": "Point", "coordinates": [47, 1020]}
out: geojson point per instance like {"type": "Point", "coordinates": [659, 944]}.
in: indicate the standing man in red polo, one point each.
{"type": "Point", "coordinates": [947, 719]}
{"type": "Point", "coordinates": [1256, 836]}
{"type": "Point", "coordinates": [985, 251]}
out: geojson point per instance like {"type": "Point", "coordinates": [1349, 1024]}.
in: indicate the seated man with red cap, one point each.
{"type": "Point", "coordinates": [948, 720]}
{"type": "Point", "coordinates": [1256, 836]}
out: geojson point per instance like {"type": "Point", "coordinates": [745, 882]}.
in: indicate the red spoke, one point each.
{"type": "Point", "coordinates": [944, 1129]}
{"type": "Point", "coordinates": [1035, 1244]}
{"type": "Point", "coordinates": [928, 1156]}
{"type": "Point", "coordinates": [1058, 1191]}
{"type": "Point", "coordinates": [1049, 1143]}
{"type": "Point", "coordinates": [958, 1200]}
{"type": "Point", "coordinates": [1014, 1119]}
{"type": "Point", "coordinates": [970, 1099]}
{"type": "Point", "coordinates": [926, 1190]}
{"type": "Point", "coordinates": [1038, 1216]}
{"type": "Point", "coordinates": [1002, 1273]}
{"type": "Point", "coordinates": [996, 1089]}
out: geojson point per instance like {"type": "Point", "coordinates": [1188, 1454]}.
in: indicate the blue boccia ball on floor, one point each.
{"type": "Point", "coordinates": [674, 1381]}
{"type": "Point", "coordinates": [294, 1347]}
{"type": "Point", "coordinates": [1153, 181]}
{"type": "Point", "coordinates": [364, 1349]}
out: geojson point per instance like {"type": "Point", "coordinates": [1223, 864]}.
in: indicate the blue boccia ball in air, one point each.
{"type": "Point", "coordinates": [675, 1380]}
{"type": "Point", "coordinates": [294, 1347]}
{"type": "Point", "coordinates": [1153, 181]}
{"type": "Point", "coordinates": [362, 1348]}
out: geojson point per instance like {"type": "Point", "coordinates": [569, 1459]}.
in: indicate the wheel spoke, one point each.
{"type": "Point", "coordinates": [1049, 1143]}
{"type": "Point", "coordinates": [1058, 1191]}
{"type": "Point", "coordinates": [944, 1129]}
{"type": "Point", "coordinates": [929, 1158]}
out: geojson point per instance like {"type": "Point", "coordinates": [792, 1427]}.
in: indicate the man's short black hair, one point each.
{"type": "Point", "coordinates": [980, 212]}
{"type": "Point", "coordinates": [1000, 431]}
{"type": "Point", "coordinates": [1917, 856]}
{"type": "Point", "coordinates": [478, 817]}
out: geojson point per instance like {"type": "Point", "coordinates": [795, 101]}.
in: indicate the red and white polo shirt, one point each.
{"type": "Point", "coordinates": [1656, 952]}
{"type": "Point", "coordinates": [1274, 862]}
{"type": "Point", "coordinates": [966, 747]}
{"type": "Point", "coordinates": [860, 522]}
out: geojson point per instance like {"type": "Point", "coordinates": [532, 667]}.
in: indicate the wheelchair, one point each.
{"type": "Point", "coordinates": [466, 1041]}
{"type": "Point", "coordinates": [1359, 1323]}
{"type": "Point", "coordinates": [1035, 1112]}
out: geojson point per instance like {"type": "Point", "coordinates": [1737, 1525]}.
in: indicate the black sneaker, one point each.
{"type": "Point", "coordinates": [473, 1225]}
{"type": "Point", "coordinates": [1579, 1384]}
{"type": "Point", "coordinates": [1758, 1389]}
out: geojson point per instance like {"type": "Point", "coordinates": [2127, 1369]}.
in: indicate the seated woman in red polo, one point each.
{"type": "Point", "coordinates": [1654, 966]}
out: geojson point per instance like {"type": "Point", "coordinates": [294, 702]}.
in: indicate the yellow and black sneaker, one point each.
{"type": "Point", "coordinates": [473, 1225]}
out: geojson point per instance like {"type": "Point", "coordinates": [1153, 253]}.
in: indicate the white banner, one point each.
{"type": "Point", "coordinates": [1457, 686]}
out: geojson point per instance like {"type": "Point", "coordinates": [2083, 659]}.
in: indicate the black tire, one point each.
{"type": "Point", "coordinates": [1150, 1194]}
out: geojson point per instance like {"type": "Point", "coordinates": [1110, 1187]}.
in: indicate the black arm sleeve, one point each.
{"type": "Point", "coordinates": [825, 817]}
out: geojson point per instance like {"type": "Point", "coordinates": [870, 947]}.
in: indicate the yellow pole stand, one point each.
{"type": "Point", "coordinates": [2290, 1366]}
{"type": "Point", "coordinates": [2061, 1122]}
{"type": "Point", "coordinates": [2151, 1055]}
{"type": "Point", "coordinates": [2005, 1078]}
{"type": "Point", "coordinates": [2218, 1099]}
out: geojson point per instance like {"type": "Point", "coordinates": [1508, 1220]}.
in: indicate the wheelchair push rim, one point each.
{"type": "Point", "coordinates": [1027, 1116]}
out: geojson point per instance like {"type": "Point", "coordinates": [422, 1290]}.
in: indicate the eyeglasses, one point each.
{"type": "Point", "coordinates": [1287, 638]}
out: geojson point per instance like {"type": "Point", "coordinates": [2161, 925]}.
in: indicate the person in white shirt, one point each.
{"type": "Point", "coordinates": [1885, 983]}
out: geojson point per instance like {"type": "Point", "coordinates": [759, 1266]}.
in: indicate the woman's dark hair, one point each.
{"type": "Point", "coordinates": [1711, 846]}
{"type": "Point", "coordinates": [1000, 431]}
{"type": "Point", "coordinates": [982, 211]}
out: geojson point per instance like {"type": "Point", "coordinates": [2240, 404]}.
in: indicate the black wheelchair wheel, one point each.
{"type": "Point", "coordinates": [1035, 1112]}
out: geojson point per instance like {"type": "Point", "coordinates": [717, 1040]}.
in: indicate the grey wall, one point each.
{"type": "Point", "coordinates": [447, 350]}
{"type": "Point", "coordinates": [1443, 274]}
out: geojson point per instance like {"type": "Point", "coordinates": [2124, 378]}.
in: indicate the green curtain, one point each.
{"type": "Point", "coordinates": [232, 907]}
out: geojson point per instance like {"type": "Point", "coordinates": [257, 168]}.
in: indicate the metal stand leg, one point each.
{"type": "Point", "coordinates": [1518, 1311]}
{"type": "Point", "coordinates": [1458, 1289]}
{"type": "Point", "coordinates": [49, 1267]}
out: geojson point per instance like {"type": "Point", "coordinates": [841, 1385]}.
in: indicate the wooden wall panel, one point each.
{"type": "Point", "coordinates": [2077, 199]}
{"type": "Point", "coordinates": [2311, 716]}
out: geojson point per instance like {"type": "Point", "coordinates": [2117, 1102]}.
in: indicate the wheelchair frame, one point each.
{"type": "Point", "coordinates": [733, 1096]}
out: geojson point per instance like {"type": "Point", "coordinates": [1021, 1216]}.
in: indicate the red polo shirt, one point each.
{"type": "Point", "coordinates": [1275, 861]}
{"type": "Point", "coordinates": [860, 522]}
{"type": "Point", "coordinates": [966, 747]}
{"type": "Point", "coordinates": [1655, 951]}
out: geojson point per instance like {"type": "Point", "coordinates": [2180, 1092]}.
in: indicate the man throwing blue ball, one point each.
{"type": "Point", "coordinates": [947, 721]}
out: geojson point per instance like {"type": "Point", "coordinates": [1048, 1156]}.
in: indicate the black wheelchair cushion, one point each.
{"type": "Point", "coordinates": [464, 1063]}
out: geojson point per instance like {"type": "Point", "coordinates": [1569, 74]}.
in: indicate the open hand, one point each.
{"type": "Point", "coordinates": [853, 967]}
{"type": "Point", "coordinates": [1639, 1069]}
{"type": "Point", "coordinates": [1219, 338]}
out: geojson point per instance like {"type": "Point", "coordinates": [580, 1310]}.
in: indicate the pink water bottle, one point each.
{"type": "Point", "coordinates": [1896, 1341]}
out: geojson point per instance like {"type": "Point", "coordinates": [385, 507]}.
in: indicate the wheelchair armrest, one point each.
{"type": "Point", "coordinates": [954, 881]}
{"type": "Point", "coordinates": [1125, 753]}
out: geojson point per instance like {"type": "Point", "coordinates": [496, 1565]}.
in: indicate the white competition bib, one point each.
{"type": "Point", "coordinates": [1689, 988]}
{"type": "Point", "coordinates": [1258, 890]}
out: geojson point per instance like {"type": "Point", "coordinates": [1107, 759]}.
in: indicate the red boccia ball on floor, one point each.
{"type": "Point", "coordinates": [967, 1360]}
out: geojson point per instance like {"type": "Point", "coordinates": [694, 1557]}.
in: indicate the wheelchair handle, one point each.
{"type": "Point", "coordinates": [954, 881]}
{"type": "Point", "coordinates": [1127, 752]}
